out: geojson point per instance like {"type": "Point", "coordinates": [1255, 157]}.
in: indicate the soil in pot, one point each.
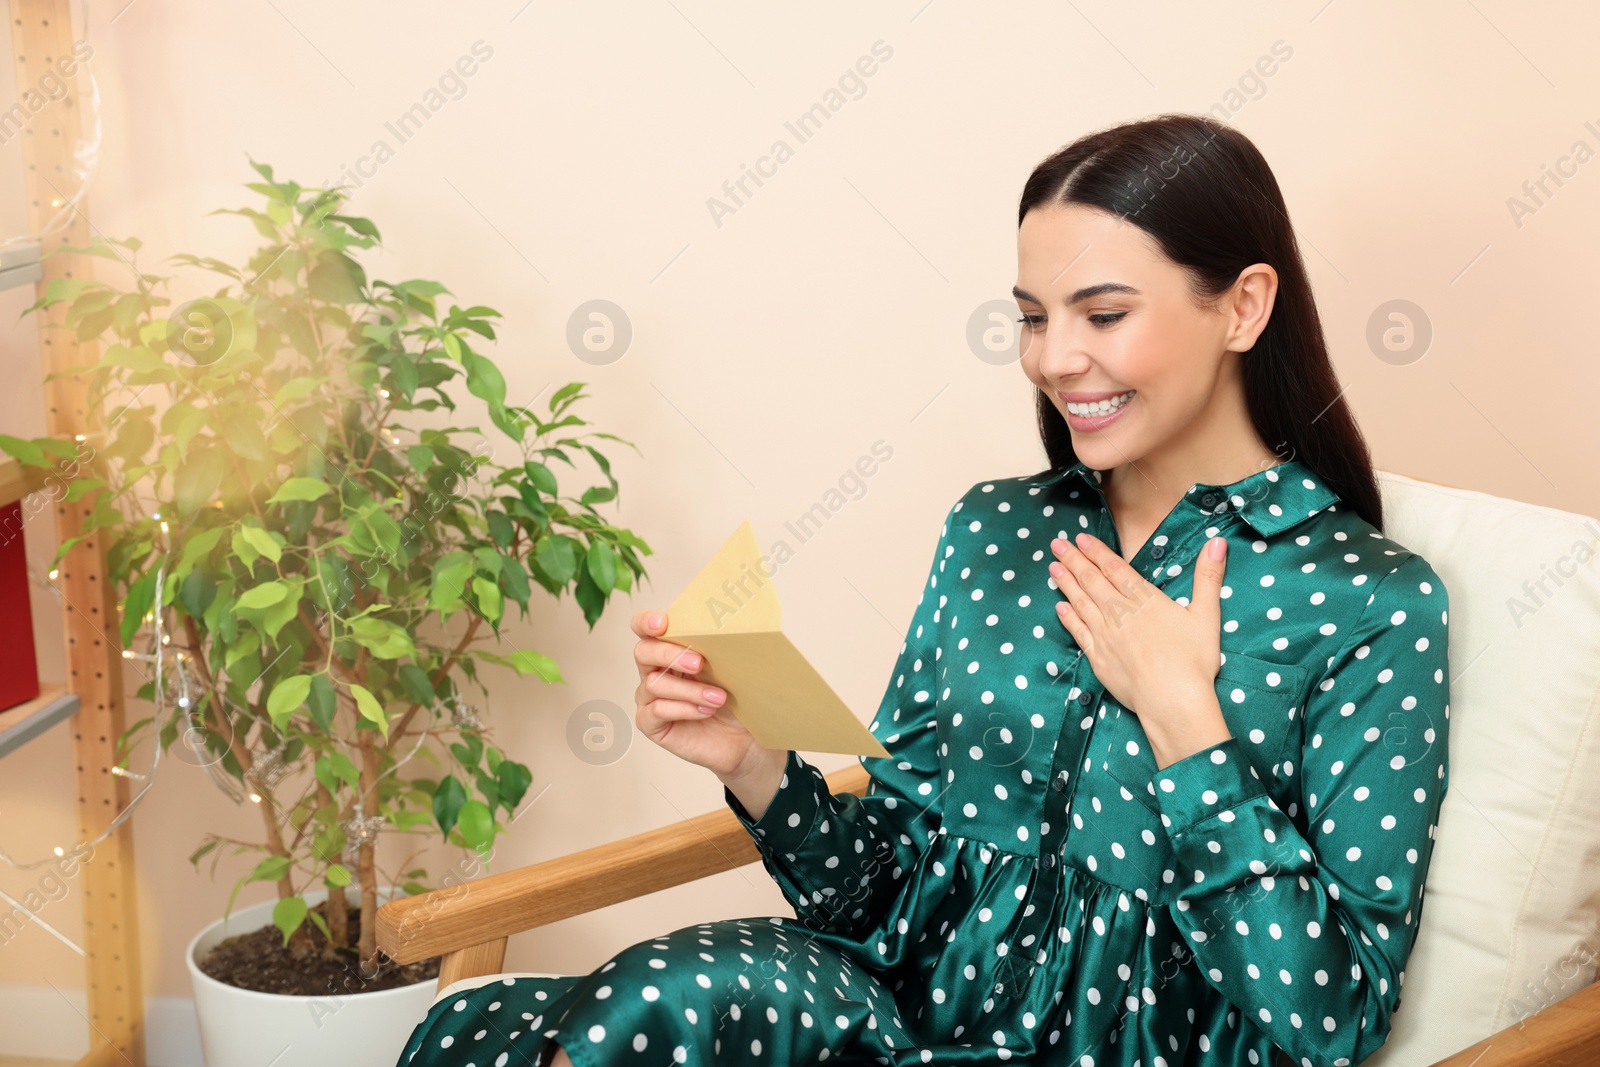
{"type": "Point", "coordinates": [259, 960]}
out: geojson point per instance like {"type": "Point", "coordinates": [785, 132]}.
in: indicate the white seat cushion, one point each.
{"type": "Point", "coordinates": [1509, 911]}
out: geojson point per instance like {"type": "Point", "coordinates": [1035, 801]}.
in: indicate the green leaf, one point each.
{"type": "Point", "coordinates": [288, 914]}
{"type": "Point", "coordinates": [197, 546]}
{"type": "Point", "coordinates": [525, 661]}
{"type": "Point", "coordinates": [514, 576]}
{"type": "Point", "coordinates": [418, 686]}
{"type": "Point", "coordinates": [245, 435]}
{"type": "Point", "coordinates": [450, 576]}
{"type": "Point", "coordinates": [242, 550]}
{"type": "Point", "coordinates": [488, 598]}
{"type": "Point", "coordinates": [294, 389]}
{"type": "Point", "coordinates": [407, 820]}
{"type": "Point", "coordinates": [276, 617]}
{"type": "Point", "coordinates": [140, 596]}
{"type": "Point", "coordinates": [262, 542]}
{"type": "Point", "coordinates": [287, 696]}
{"type": "Point", "coordinates": [602, 563]}
{"type": "Point", "coordinates": [185, 424]}
{"type": "Point", "coordinates": [383, 639]}
{"type": "Point", "coordinates": [270, 869]}
{"type": "Point", "coordinates": [447, 801]}
{"type": "Point", "coordinates": [338, 279]}
{"type": "Point", "coordinates": [199, 475]}
{"type": "Point", "coordinates": [300, 489]}
{"type": "Point", "coordinates": [335, 768]}
{"type": "Point", "coordinates": [196, 593]}
{"type": "Point", "coordinates": [469, 751]}
{"type": "Point", "coordinates": [337, 876]}
{"type": "Point", "coordinates": [264, 595]}
{"type": "Point", "coordinates": [489, 789]}
{"type": "Point", "coordinates": [514, 779]}
{"type": "Point", "coordinates": [322, 703]}
{"type": "Point", "coordinates": [476, 823]}
{"type": "Point", "coordinates": [501, 528]}
{"type": "Point", "coordinates": [483, 377]}
{"type": "Point", "coordinates": [370, 709]}
{"type": "Point", "coordinates": [558, 556]}
{"type": "Point", "coordinates": [200, 852]}
{"type": "Point", "coordinates": [542, 477]}
{"type": "Point", "coordinates": [25, 452]}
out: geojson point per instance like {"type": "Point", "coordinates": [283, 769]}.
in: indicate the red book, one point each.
{"type": "Point", "coordinates": [19, 673]}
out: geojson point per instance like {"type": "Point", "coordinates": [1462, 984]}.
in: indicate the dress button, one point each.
{"type": "Point", "coordinates": [1157, 552]}
{"type": "Point", "coordinates": [1059, 782]}
{"type": "Point", "coordinates": [1209, 499]}
{"type": "Point", "coordinates": [1049, 860]}
{"type": "Point", "coordinates": [1086, 698]}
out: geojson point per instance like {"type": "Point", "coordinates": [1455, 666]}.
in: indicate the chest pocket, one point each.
{"type": "Point", "coordinates": [1261, 702]}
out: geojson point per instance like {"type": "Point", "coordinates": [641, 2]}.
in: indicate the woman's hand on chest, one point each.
{"type": "Point", "coordinates": [1157, 657]}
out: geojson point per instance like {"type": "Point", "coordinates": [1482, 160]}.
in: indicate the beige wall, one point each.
{"type": "Point", "coordinates": [828, 312]}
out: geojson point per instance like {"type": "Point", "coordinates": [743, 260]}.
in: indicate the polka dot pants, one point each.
{"type": "Point", "coordinates": [738, 991]}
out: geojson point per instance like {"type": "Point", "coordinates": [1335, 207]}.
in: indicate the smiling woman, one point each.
{"type": "Point", "coordinates": [1144, 804]}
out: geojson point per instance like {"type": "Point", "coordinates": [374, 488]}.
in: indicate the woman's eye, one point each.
{"type": "Point", "coordinates": [1033, 322]}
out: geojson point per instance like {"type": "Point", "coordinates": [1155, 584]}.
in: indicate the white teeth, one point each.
{"type": "Point", "coordinates": [1101, 407]}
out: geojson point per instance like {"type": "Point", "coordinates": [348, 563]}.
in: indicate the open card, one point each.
{"type": "Point", "coordinates": [730, 613]}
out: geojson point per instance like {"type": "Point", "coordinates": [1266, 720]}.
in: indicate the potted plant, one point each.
{"type": "Point", "coordinates": [320, 560]}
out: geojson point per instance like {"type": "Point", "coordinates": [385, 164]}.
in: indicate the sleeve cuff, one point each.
{"type": "Point", "coordinates": [1205, 784]}
{"type": "Point", "coordinates": [794, 810]}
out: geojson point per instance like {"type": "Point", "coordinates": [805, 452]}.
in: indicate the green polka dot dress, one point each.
{"type": "Point", "coordinates": [1021, 884]}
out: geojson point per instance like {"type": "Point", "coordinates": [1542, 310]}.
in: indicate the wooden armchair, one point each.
{"type": "Point", "coordinates": [468, 924]}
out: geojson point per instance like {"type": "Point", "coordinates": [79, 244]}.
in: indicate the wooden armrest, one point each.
{"type": "Point", "coordinates": [482, 912]}
{"type": "Point", "coordinates": [1565, 1034]}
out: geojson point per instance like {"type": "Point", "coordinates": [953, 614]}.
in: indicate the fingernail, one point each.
{"type": "Point", "coordinates": [1216, 548]}
{"type": "Point", "coordinates": [705, 710]}
{"type": "Point", "coordinates": [654, 621]}
{"type": "Point", "coordinates": [692, 662]}
{"type": "Point", "coordinates": [714, 697]}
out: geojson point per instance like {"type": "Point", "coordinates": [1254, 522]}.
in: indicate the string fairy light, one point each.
{"type": "Point", "coordinates": [60, 853]}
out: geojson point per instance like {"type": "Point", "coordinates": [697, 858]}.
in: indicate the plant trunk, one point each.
{"type": "Point", "coordinates": [337, 909]}
{"type": "Point", "coordinates": [366, 855]}
{"type": "Point", "coordinates": [241, 752]}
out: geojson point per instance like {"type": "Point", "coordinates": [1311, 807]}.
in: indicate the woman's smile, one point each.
{"type": "Point", "coordinates": [1090, 417]}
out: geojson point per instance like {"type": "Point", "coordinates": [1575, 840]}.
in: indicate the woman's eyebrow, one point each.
{"type": "Point", "coordinates": [1082, 294]}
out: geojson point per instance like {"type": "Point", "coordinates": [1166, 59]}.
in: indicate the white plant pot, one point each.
{"type": "Point", "coordinates": [244, 1028]}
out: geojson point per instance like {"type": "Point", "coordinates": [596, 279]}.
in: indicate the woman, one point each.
{"type": "Point", "coordinates": [1147, 802]}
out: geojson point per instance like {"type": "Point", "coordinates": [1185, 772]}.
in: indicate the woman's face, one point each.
{"type": "Point", "coordinates": [1106, 315]}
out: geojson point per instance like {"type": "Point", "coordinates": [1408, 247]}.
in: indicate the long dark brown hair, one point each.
{"type": "Point", "coordinates": [1203, 191]}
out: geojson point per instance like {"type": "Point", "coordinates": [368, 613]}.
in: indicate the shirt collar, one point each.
{"type": "Point", "coordinates": [1271, 501]}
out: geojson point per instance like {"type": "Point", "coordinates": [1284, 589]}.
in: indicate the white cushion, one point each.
{"type": "Point", "coordinates": [1509, 910]}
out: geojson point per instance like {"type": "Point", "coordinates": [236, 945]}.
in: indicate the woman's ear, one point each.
{"type": "Point", "coordinates": [1250, 305]}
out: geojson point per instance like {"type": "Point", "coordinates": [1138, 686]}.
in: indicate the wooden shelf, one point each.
{"type": "Point", "coordinates": [23, 723]}
{"type": "Point", "coordinates": [17, 481]}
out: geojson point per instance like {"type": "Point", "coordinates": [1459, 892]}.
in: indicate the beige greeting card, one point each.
{"type": "Point", "coordinates": [730, 613]}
